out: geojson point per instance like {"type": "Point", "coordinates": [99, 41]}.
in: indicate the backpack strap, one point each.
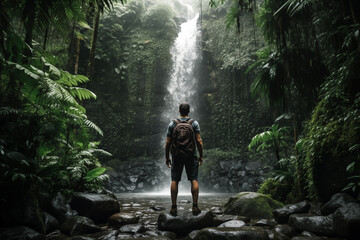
{"type": "Point", "coordinates": [190, 121]}
{"type": "Point", "coordinates": [176, 122]}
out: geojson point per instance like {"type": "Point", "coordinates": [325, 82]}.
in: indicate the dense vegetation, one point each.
{"type": "Point", "coordinates": [280, 75]}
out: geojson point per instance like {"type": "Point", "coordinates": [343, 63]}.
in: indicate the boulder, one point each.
{"type": "Point", "coordinates": [219, 219]}
{"type": "Point", "coordinates": [185, 222]}
{"type": "Point", "coordinates": [336, 201]}
{"type": "Point", "coordinates": [77, 225]}
{"type": "Point", "coordinates": [251, 204]}
{"type": "Point", "coordinates": [59, 209]}
{"type": "Point", "coordinates": [98, 207]}
{"type": "Point", "coordinates": [20, 233]}
{"type": "Point", "coordinates": [133, 228]}
{"type": "Point", "coordinates": [320, 225]}
{"type": "Point", "coordinates": [232, 223]}
{"type": "Point", "coordinates": [148, 238]}
{"type": "Point", "coordinates": [282, 214]}
{"type": "Point", "coordinates": [284, 232]}
{"type": "Point", "coordinates": [50, 223]}
{"type": "Point", "coordinates": [248, 233]}
{"type": "Point", "coordinates": [105, 235]}
{"type": "Point", "coordinates": [347, 221]}
{"type": "Point", "coordinates": [267, 223]}
{"type": "Point", "coordinates": [121, 219]}
{"type": "Point", "coordinates": [306, 238]}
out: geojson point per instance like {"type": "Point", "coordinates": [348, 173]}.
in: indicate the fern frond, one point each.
{"type": "Point", "coordinates": [5, 111]}
{"type": "Point", "coordinates": [81, 93]}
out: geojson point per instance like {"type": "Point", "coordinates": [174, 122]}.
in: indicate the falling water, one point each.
{"type": "Point", "coordinates": [182, 84]}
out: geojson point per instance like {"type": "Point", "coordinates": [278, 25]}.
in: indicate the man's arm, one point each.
{"type": "Point", "coordinates": [167, 151]}
{"type": "Point", "coordinates": [199, 144]}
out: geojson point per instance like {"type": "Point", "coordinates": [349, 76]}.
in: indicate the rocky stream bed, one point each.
{"type": "Point", "coordinates": [245, 216]}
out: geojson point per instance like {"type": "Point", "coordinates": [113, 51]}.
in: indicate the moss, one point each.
{"type": "Point", "coordinates": [252, 204]}
{"type": "Point", "coordinates": [275, 189]}
{"type": "Point", "coordinates": [332, 130]}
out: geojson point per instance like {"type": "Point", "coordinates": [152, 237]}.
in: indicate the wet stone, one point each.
{"type": "Point", "coordinates": [20, 233]}
{"type": "Point", "coordinates": [184, 201]}
{"type": "Point", "coordinates": [98, 207]}
{"type": "Point", "coordinates": [158, 208]}
{"type": "Point", "coordinates": [336, 201]}
{"type": "Point", "coordinates": [347, 221]}
{"type": "Point", "coordinates": [167, 234]}
{"type": "Point", "coordinates": [216, 210]}
{"type": "Point", "coordinates": [321, 225]}
{"type": "Point", "coordinates": [121, 219]}
{"type": "Point", "coordinates": [133, 228]}
{"type": "Point", "coordinates": [77, 225]}
{"type": "Point", "coordinates": [282, 214]}
{"type": "Point", "coordinates": [248, 233]}
{"type": "Point", "coordinates": [232, 224]}
{"type": "Point", "coordinates": [269, 223]}
{"type": "Point", "coordinates": [185, 222]}
{"type": "Point", "coordinates": [284, 232]}
{"type": "Point", "coordinates": [219, 219]}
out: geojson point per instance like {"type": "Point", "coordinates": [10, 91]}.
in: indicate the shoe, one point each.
{"type": "Point", "coordinates": [195, 210]}
{"type": "Point", "coordinates": [173, 210]}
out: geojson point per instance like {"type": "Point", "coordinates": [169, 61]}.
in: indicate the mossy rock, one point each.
{"type": "Point", "coordinates": [252, 204]}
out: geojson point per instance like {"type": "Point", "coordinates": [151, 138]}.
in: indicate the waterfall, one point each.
{"type": "Point", "coordinates": [182, 83]}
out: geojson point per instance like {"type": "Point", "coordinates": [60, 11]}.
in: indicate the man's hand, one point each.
{"type": "Point", "coordinates": [168, 163]}
{"type": "Point", "coordinates": [201, 159]}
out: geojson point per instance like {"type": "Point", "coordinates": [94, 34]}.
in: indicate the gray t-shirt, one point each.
{"type": "Point", "coordinates": [195, 125]}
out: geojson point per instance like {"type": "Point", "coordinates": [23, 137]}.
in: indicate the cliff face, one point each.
{"type": "Point", "coordinates": [132, 69]}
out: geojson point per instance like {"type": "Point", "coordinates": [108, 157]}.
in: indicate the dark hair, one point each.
{"type": "Point", "coordinates": [184, 109]}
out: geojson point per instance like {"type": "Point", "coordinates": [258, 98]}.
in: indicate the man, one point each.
{"type": "Point", "coordinates": [181, 137]}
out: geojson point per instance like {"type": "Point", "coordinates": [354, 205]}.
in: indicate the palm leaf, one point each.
{"type": "Point", "coordinates": [81, 93]}
{"type": "Point", "coordinates": [94, 173]}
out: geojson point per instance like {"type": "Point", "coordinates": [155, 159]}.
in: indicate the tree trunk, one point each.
{"type": "Point", "coordinates": [71, 49]}
{"type": "Point", "coordinates": [29, 25]}
{"type": "Point", "coordinates": [93, 43]}
{"type": "Point", "coordinates": [46, 36]}
{"type": "Point", "coordinates": [77, 56]}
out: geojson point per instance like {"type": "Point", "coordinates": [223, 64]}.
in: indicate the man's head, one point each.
{"type": "Point", "coordinates": [184, 109]}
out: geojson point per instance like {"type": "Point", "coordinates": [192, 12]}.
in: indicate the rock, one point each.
{"type": "Point", "coordinates": [105, 235]}
{"type": "Point", "coordinates": [167, 234]}
{"type": "Point", "coordinates": [308, 234]}
{"type": "Point", "coordinates": [216, 210]}
{"type": "Point", "coordinates": [81, 238]}
{"type": "Point", "coordinates": [133, 228]}
{"type": "Point", "coordinates": [98, 207]}
{"type": "Point", "coordinates": [121, 219]}
{"type": "Point", "coordinates": [147, 238]}
{"type": "Point", "coordinates": [50, 223]}
{"type": "Point", "coordinates": [158, 208]}
{"type": "Point", "coordinates": [284, 232]}
{"type": "Point", "coordinates": [282, 214]}
{"type": "Point", "coordinates": [20, 233]}
{"type": "Point", "coordinates": [185, 222]}
{"type": "Point", "coordinates": [184, 201]}
{"type": "Point", "coordinates": [77, 225]}
{"type": "Point", "coordinates": [251, 204]}
{"type": "Point", "coordinates": [347, 221]}
{"type": "Point", "coordinates": [219, 219]}
{"type": "Point", "coordinates": [124, 236]}
{"type": "Point", "coordinates": [232, 224]}
{"type": "Point", "coordinates": [32, 215]}
{"type": "Point", "coordinates": [306, 238]}
{"type": "Point", "coordinates": [59, 209]}
{"type": "Point", "coordinates": [248, 233]}
{"type": "Point", "coordinates": [336, 201]}
{"type": "Point", "coordinates": [269, 223]}
{"type": "Point", "coordinates": [321, 225]}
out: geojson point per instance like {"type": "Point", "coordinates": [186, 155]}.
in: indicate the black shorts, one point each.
{"type": "Point", "coordinates": [191, 167]}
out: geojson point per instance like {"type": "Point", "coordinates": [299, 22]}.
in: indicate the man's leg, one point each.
{"type": "Point", "coordinates": [195, 191]}
{"type": "Point", "coordinates": [174, 191]}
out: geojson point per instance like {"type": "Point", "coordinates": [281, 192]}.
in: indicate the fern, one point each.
{"type": "Point", "coordinates": [5, 111]}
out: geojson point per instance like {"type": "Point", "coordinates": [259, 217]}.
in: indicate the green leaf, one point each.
{"type": "Point", "coordinates": [350, 168]}
{"type": "Point", "coordinates": [94, 173]}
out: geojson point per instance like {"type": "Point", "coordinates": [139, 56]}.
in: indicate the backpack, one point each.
{"type": "Point", "coordinates": [183, 138]}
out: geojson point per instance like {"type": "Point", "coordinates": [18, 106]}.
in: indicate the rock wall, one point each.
{"type": "Point", "coordinates": [149, 175]}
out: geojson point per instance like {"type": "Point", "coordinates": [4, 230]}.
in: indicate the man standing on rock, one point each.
{"type": "Point", "coordinates": [183, 135]}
